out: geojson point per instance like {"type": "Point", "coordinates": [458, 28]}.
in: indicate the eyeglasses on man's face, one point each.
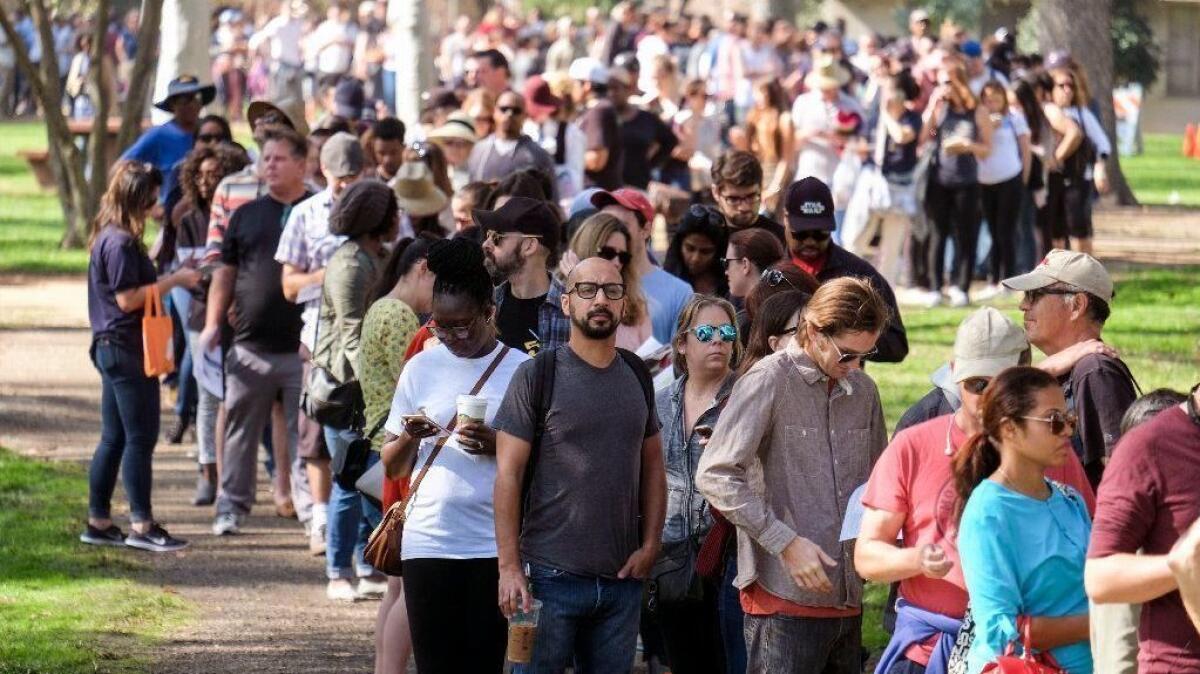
{"type": "Point", "coordinates": [495, 237]}
{"type": "Point", "coordinates": [847, 357]}
{"type": "Point", "coordinates": [588, 291]}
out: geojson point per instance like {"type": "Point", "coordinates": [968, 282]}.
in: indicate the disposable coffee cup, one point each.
{"type": "Point", "coordinates": [522, 632]}
{"type": "Point", "coordinates": [471, 409]}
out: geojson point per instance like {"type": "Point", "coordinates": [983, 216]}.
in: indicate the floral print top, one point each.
{"type": "Point", "coordinates": [386, 331]}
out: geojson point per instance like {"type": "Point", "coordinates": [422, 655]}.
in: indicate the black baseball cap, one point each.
{"type": "Point", "coordinates": [809, 206]}
{"type": "Point", "coordinates": [525, 216]}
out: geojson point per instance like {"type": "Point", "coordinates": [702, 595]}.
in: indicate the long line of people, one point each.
{"type": "Point", "coordinates": [688, 452]}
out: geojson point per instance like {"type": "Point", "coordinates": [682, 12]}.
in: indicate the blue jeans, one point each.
{"type": "Point", "coordinates": [351, 518]}
{"type": "Point", "coordinates": [129, 412]}
{"type": "Point", "coordinates": [586, 621]}
{"type": "Point", "coordinates": [729, 609]}
{"type": "Point", "coordinates": [781, 644]}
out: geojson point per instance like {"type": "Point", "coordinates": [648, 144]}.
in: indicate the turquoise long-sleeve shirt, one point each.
{"type": "Point", "coordinates": [1022, 556]}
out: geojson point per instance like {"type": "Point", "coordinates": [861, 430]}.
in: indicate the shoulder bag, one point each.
{"type": "Point", "coordinates": [383, 547]}
{"type": "Point", "coordinates": [157, 335]}
{"type": "Point", "coordinates": [324, 399]}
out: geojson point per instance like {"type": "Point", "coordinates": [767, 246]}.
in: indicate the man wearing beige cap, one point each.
{"type": "Point", "coordinates": [1067, 300]}
{"type": "Point", "coordinates": [911, 493]}
{"type": "Point", "coordinates": [304, 249]}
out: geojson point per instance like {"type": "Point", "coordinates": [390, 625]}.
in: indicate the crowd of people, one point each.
{"type": "Point", "coordinates": [677, 440]}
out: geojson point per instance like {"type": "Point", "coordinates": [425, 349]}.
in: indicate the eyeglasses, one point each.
{"type": "Point", "coordinates": [1058, 421]}
{"type": "Point", "coordinates": [496, 238]}
{"type": "Point", "coordinates": [1032, 296]}
{"type": "Point", "coordinates": [588, 291]}
{"type": "Point", "coordinates": [210, 138]}
{"type": "Point", "coordinates": [705, 333]}
{"type": "Point", "coordinates": [511, 109]}
{"type": "Point", "coordinates": [609, 253]}
{"type": "Point", "coordinates": [742, 199]}
{"type": "Point", "coordinates": [817, 235]}
{"type": "Point", "coordinates": [726, 260]}
{"type": "Point", "coordinates": [845, 357]}
{"type": "Point", "coordinates": [976, 385]}
{"type": "Point", "coordinates": [773, 277]}
{"type": "Point", "coordinates": [455, 333]}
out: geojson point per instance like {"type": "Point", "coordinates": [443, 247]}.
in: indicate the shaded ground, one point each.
{"type": "Point", "coordinates": [258, 599]}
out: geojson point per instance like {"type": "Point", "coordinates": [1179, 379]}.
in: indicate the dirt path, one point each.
{"type": "Point", "coordinates": [258, 598]}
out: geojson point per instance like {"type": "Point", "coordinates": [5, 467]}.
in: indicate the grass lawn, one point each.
{"type": "Point", "coordinates": [65, 607]}
{"type": "Point", "coordinates": [1161, 170]}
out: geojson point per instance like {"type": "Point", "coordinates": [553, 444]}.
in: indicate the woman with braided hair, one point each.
{"type": "Point", "coordinates": [449, 545]}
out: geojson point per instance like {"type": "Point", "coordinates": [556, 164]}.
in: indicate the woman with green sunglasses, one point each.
{"type": "Point", "coordinates": [682, 603]}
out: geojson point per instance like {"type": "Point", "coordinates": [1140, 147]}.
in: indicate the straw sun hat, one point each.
{"type": "Point", "coordinates": [415, 191]}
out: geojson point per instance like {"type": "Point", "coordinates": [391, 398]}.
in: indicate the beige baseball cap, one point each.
{"type": "Point", "coordinates": [1064, 266]}
{"type": "Point", "coordinates": [987, 343]}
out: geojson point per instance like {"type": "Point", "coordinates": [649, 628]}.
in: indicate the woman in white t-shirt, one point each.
{"type": "Point", "coordinates": [449, 548]}
{"type": "Point", "coordinates": [1003, 174]}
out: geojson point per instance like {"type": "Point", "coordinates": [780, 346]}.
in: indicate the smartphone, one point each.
{"type": "Point", "coordinates": [409, 418]}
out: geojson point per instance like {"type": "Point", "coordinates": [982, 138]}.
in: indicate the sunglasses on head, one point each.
{"type": "Point", "coordinates": [420, 147]}
{"type": "Point", "coordinates": [609, 253]}
{"type": "Point", "coordinates": [1058, 420]}
{"type": "Point", "coordinates": [773, 277]}
{"type": "Point", "coordinates": [705, 333]}
{"type": "Point", "coordinates": [976, 385]}
{"type": "Point", "coordinates": [817, 235]}
{"type": "Point", "coordinates": [845, 357]}
{"type": "Point", "coordinates": [588, 291]}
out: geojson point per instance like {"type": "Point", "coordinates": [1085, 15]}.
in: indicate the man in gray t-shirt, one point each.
{"type": "Point", "coordinates": [597, 491]}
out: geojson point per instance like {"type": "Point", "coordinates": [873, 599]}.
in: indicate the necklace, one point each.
{"type": "Point", "coordinates": [949, 429]}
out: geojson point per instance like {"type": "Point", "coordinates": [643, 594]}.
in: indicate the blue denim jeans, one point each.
{"type": "Point", "coordinates": [587, 622]}
{"type": "Point", "coordinates": [729, 609]}
{"type": "Point", "coordinates": [351, 518]}
{"type": "Point", "coordinates": [129, 409]}
{"type": "Point", "coordinates": [785, 645]}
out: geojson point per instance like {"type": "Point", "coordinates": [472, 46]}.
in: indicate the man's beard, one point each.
{"type": "Point", "coordinates": [592, 332]}
{"type": "Point", "coordinates": [501, 272]}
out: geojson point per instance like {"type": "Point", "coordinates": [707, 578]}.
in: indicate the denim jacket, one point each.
{"type": "Point", "coordinates": [687, 511]}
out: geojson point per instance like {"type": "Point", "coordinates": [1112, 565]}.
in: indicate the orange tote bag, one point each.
{"type": "Point", "coordinates": [157, 335]}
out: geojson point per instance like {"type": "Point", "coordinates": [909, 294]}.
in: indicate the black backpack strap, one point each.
{"type": "Point", "coordinates": [639, 368]}
{"type": "Point", "coordinates": [539, 397]}
{"type": "Point", "coordinates": [560, 147]}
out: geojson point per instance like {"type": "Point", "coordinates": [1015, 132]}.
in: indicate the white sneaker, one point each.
{"type": "Point", "coordinates": [371, 589]}
{"type": "Point", "coordinates": [340, 589]}
{"type": "Point", "coordinates": [227, 524]}
{"type": "Point", "coordinates": [316, 541]}
{"type": "Point", "coordinates": [989, 292]}
{"type": "Point", "coordinates": [932, 298]}
{"type": "Point", "coordinates": [957, 297]}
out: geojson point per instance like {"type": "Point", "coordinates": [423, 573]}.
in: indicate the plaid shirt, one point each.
{"type": "Point", "coordinates": [307, 245]}
{"type": "Point", "coordinates": [554, 327]}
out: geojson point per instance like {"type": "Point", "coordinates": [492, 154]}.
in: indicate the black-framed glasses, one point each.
{"type": "Point", "coordinates": [495, 237]}
{"type": "Point", "coordinates": [976, 385]}
{"type": "Point", "coordinates": [1032, 296]}
{"type": "Point", "coordinates": [609, 253]}
{"type": "Point", "coordinates": [1058, 420]}
{"type": "Point", "coordinates": [818, 235]}
{"type": "Point", "coordinates": [773, 277]}
{"type": "Point", "coordinates": [457, 332]}
{"type": "Point", "coordinates": [846, 357]}
{"type": "Point", "coordinates": [742, 199]}
{"type": "Point", "coordinates": [705, 333]}
{"type": "Point", "coordinates": [726, 260]}
{"type": "Point", "coordinates": [588, 291]}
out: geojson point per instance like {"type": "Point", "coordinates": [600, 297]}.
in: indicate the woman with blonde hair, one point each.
{"type": "Point", "coordinates": [120, 275]}
{"type": "Point", "coordinates": [603, 235]}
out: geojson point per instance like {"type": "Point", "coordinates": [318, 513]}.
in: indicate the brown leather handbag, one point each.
{"type": "Point", "coordinates": [383, 547]}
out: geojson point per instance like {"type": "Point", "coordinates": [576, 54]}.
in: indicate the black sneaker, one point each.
{"type": "Point", "coordinates": [155, 540]}
{"type": "Point", "coordinates": [110, 536]}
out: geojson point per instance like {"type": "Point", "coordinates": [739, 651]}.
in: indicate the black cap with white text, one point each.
{"type": "Point", "coordinates": [809, 206]}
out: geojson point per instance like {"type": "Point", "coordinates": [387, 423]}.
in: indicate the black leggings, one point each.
{"type": "Point", "coordinates": [955, 212]}
{"type": "Point", "coordinates": [453, 615]}
{"type": "Point", "coordinates": [1001, 208]}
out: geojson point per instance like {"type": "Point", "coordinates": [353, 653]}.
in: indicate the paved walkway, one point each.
{"type": "Point", "coordinates": [259, 602]}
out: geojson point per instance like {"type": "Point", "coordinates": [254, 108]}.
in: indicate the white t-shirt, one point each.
{"type": "Point", "coordinates": [1004, 161]}
{"type": "Point", "coordinates": [810, 112]}
{"type": "Point", "coordinates": [283, 39]}
{"type": "Point", "coordinates": [335, 57]}
{"type": "Point", "coordinates": [451, 516]}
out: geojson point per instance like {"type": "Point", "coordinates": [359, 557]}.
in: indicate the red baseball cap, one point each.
{"type": "Point", "coordinates": [539, 100]}
{"type": "Point", "coordinates": [626, 197]}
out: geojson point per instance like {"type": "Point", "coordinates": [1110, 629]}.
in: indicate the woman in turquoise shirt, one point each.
{"type": "Point", "coordinates": [1023, 538]}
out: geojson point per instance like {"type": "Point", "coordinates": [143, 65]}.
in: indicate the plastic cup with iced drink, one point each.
{"type": "Point", "coordinates": [522, 631]}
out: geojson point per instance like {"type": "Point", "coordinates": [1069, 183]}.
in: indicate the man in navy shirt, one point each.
{"type": "Point", "coordinates": [167, 144]}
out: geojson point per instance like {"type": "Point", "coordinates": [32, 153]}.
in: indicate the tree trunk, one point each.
{"type": "Point", "coordinates": [185, 38]}
{"type": "Point", "coordinates": [97, 160]}
{"type": "Point", "coordinates": [415, 58]}
{"type": "Point", "coordinates": [139, 80]}
{"type": "Point", "coordinates": [1084, 27]}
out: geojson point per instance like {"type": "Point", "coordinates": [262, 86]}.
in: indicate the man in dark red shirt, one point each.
{"type": "Point", "coordinates": [1149, 497]}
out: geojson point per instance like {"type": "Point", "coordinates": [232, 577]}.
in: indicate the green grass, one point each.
{"type": "Point", "coordinates": [1161, 170]}
{"type": "Point", "coordinates": [65, 607]}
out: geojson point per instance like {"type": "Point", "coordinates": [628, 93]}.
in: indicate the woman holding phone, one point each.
{"type": "Point", "coordinates": [449, 545]}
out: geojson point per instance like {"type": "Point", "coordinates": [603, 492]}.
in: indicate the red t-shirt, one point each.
{"type": "Point", "coordinates": [1149, 497]}
{"type": "Point", "coordinates": [914, 476]}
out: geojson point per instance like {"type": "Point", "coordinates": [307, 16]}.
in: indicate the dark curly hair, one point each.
{"type": "Point", "coordinates": [458, 266]}
{"type": "Point", "coordinates": [230, 158]}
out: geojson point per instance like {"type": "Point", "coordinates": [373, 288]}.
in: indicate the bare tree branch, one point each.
{"type": "Point", "coordinates": [149, 33]}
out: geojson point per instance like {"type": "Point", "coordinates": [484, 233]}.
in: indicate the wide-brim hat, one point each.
{"type": "Point", "coordinates": [259, 108]}
{"type": "Point", "coordinates": [827, 73]}
{"type": "Point", "coordinates": [416, 192]}
{"type": "Point", "coordinates": [458, 126]}
{"type": "Point", "coordinates": [185, 85]}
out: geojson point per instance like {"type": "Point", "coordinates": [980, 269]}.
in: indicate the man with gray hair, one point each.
{"type": "Point", "coordinates": [1067, 300]}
